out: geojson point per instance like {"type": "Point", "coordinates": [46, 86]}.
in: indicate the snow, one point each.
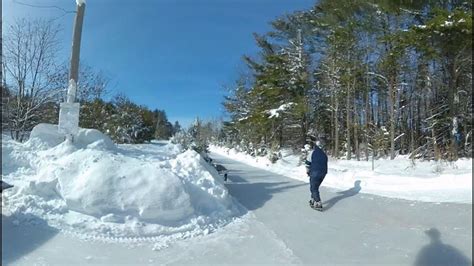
{"type": "Point", "coordinates": [72, 88]}
{"type": "Point", "coordinates": [80, 2]}
{"type": "Point", "coordinates": [275, 228]}
{"type": "Point", "coordinates": [447, 24]}
{"type": "Point", "coordinates": [455, 126]}
{"type": "Point", "coordinates": [399, 178]}
{"type": "Point", "coordinates": [48, 136]}
{"type": "Point", "coordinates": [93, 189]}
{"type": "Point", "coordinates": [69, 118]}
{"type": "Point", "coordinates": [282, 108]}
{"type": "Point", "coordinates": [243, 118]}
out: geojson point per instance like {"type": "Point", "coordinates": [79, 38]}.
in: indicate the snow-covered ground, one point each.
{"type": "Point", "coordinates": [398, 178]}
{"type": "Point", "coordinates": [95, 203]}
{"type": "Point", "coordinates": [94, 189]}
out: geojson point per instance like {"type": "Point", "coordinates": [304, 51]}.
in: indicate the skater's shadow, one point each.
{"type": "Point", "coordinates": [438, 253]}
{"type": "Point", "coordinates": [342, 195]}
{"type": "Point", "coordinates": [22, 234]}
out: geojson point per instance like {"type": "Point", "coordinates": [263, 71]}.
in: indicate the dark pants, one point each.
{"type": "Point", "coordinates": [314, 183]}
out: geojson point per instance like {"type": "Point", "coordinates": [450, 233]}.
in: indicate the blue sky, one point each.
{"type": "Point", "coordinates": [175, 55]}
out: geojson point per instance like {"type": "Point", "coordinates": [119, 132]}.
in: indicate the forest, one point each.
{"type": "Point", "coordinates": [368, 78]}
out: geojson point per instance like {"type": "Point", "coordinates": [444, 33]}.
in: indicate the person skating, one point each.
{"type": "Point", "coordinates": [318, 168]}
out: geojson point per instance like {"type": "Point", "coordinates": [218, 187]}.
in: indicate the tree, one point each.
{"type": "Point", "coordinates": [176, 127]}
{"type": "Point", "coordinates": [360, 69]}
{"type": "Point", "coordinates": [30, 49]}
{"type": "Point", "coordinates": [164, 129]}
{"type": "Point", "coordinates": [92, 83]}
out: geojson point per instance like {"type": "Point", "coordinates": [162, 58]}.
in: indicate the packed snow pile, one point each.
{"type": "Point", "coordinates": [398, 178]}
{"type": "Point", "coordinates": [91, 187]}
{"type": "Point", "coordinates": [47, 136]}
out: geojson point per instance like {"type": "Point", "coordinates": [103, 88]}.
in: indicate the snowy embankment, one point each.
{"type": "Point", "coordinates": [94, 189]}
{"type": "Point", "coordinates": [399, 178]}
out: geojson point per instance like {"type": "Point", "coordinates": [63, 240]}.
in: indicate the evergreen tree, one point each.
{"type": "Point", "coordinates": [164, 129]}
{"type": "Point", "coordinates": [351, 72]}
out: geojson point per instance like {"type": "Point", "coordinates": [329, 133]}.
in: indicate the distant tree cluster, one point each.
{"type": "Point", "coordinates": [199, 135]}
{"type": "Point", "coordinates": [125, 121]}
{"type": "Point", "coordinates": [368, 77]}
{"type": "Point", "coordinates": [34, 85]}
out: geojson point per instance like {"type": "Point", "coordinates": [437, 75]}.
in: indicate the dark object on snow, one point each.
{"type": "Point", "coordinates": [5, 185]}
{"type": "Point", "coordinates": [221, 170]}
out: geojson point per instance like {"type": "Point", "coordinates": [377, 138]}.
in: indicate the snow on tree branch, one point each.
{"type": "Point", "coordinates": [282, 108]}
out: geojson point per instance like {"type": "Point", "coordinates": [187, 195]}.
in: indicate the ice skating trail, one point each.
{"type": "Point", "coordinates": [279, 228]}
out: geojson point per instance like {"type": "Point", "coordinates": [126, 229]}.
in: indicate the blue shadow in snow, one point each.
{"type": "Point", "coordinates": [21, 234]}
{"type": "Point", "coordinates": [438, 253]}
{"type": "Point", "coordinates": [343, 195]}
{"type": "Point", "coordinates": [254, 195]}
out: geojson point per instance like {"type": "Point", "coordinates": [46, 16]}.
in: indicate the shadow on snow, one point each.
{"type": "Point", "coordinates": [342, 195]}
{"type": "Point", "coordinates": [18, 240]}
{"type": "Point", "coordinates": [438, 253]}
{"type": "Point", "coordinates": [254, 195]}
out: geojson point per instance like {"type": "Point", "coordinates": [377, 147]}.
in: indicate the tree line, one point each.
{"type": "Point", "coordinates": [34, 84]}
{"type": "Point", "coordinates": [369, 78]}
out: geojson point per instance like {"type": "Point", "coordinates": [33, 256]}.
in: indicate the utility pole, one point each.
{"type": "Point", "coordinates": [69, 110]}
{"type": "Point", "coordinates": [76, 46]}
{"type": "Point", "coordinates": [1, 51]}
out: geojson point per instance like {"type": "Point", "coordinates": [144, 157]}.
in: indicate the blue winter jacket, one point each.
{"type": "Point", "coordinates": [319, 163]}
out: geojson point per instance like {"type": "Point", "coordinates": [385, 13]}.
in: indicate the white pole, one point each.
{"type": "Point", "coordinates": [69, 110]}
{"type": "Point", "coordinates": [76, 49]}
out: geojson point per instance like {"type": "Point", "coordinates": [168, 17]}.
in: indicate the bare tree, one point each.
{"type": "Point", "coordinates": [30, 49]}
{"type": "Point", "coordinates": [92, 84]}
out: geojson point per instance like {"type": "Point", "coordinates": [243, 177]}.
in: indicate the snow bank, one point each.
{"type": "Point", "coordinates": [399, 178]}
{"type": "Point", "coordinates": [47, 136]}
{"type": "Point", "coordinates": [92, 187]}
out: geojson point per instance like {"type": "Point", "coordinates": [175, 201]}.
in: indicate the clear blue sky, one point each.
{"type": "Point", "coordinates": [175, 55]}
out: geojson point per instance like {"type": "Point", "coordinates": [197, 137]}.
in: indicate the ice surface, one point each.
{"type": "Point", "coordinates": [279, 229]}
{"type": "Point", "coordinates": [399, 178]}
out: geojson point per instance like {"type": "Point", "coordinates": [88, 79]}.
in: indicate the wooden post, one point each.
{"type": "Point", "coordinates": [69, 110]}
{"type": "Point", "coordinates": [76, 45]}
{"type": "Point", "coordinates": [1, 51]}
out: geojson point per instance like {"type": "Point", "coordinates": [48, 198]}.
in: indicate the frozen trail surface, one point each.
{"type": "Point", "coordinates": [355, 228]}
{"type": "Point", "coordinates": [278, 228]}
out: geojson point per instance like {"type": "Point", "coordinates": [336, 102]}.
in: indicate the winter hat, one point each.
{"type": "Point", "coordinates": [319, 144]}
